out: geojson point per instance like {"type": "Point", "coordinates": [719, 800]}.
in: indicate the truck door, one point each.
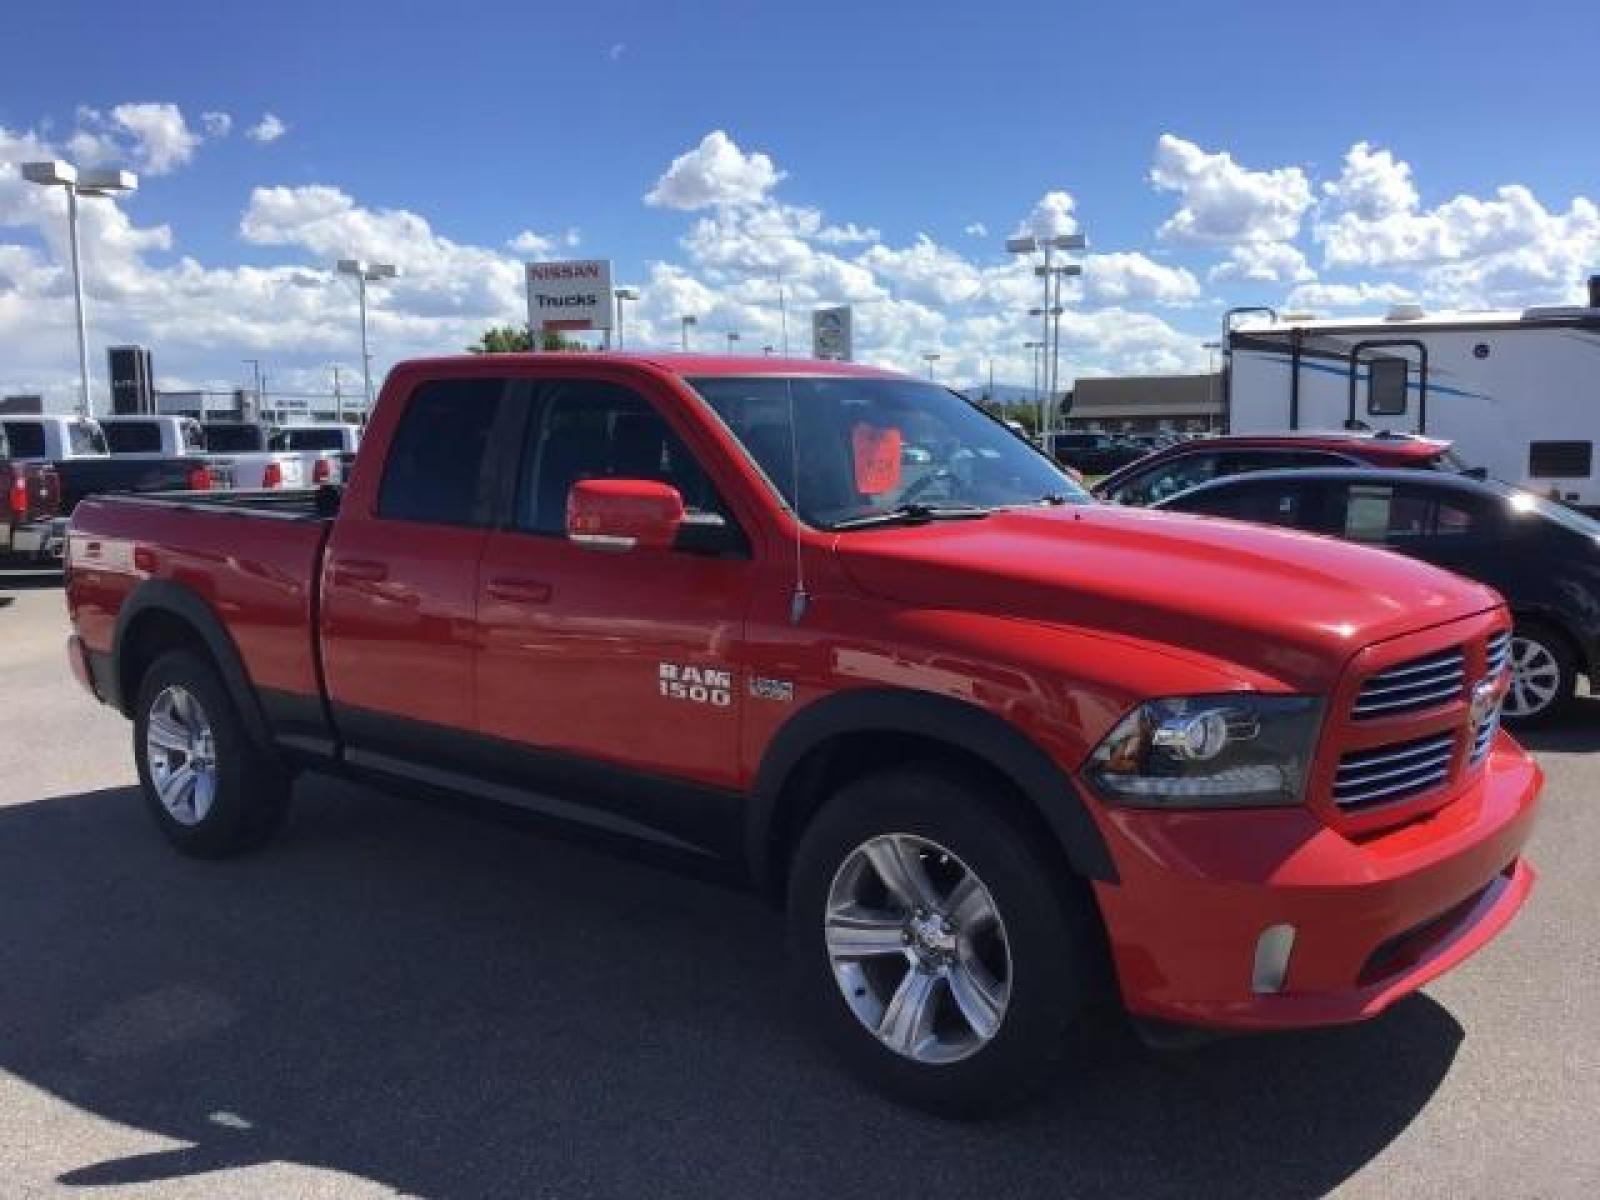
{"type": "Point", "coordinates": [400, 580]}
{"type": "Point", "coordinates": [1388, 385]}
{"type": "Point", "coordinates": [597, 663]}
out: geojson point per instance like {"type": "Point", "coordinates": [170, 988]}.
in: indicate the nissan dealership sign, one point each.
{"type": "Point", "coordinates": [569, 295]}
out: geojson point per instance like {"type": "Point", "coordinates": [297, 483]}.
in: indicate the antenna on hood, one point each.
{"type": "Point", "coordinates": [801, 600]}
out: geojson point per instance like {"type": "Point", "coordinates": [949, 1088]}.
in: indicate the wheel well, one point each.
{"type": "Point", "coordinates": [843, 757]}
{"type": "Point", "coordinates": [152, 634]}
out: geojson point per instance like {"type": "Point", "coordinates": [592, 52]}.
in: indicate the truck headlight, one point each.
{"type": "Point", "coordinates": [1236, 750]}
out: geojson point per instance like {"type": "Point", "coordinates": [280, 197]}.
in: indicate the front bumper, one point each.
{"type": "Point", "coordinates": [1374, 917]}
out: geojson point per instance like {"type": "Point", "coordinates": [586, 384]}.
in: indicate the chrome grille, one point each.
{"type": "Point", "coordinates": [1413, 686]}
{"type": "Point", "coordinates": [1484, 738]}
{"type": "Point", "coordinates": [1389, 773]}
{"type": "Point", "coordinates": [1498, 652]}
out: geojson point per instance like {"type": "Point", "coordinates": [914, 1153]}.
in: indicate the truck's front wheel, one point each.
{"type": "Point", "coordinates": [935, 948]}
{"type": "Point", "coordinates": [212, 792]}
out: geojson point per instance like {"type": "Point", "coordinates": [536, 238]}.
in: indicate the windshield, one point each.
{"type": "Point", "coordinates": [235, 439]}
{"type": "Point", "coordinates": [874, 446]}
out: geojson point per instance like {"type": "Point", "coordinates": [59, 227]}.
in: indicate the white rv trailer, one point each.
{"type": "Point", "coordinates": [1517, 392]}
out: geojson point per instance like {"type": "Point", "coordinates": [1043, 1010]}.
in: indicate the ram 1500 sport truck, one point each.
{"type": "Point", "coordinates": [1003, 754]}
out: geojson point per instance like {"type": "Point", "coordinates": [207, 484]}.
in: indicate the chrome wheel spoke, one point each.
{"type": "Point", "coordinates": [899, 866]}
{"type": "Point", "coordinates": [977, 996]}
{"type": "Point", "coordinates": [908, 1019]}
{"type": "Point", "coordinates": [167, 734]}
{"type": "Point", "coordinates": [177, 789]}
{"type": "Point", "coordinates": [969, 905]}
{"type": "Point", "coordinates": [205, 791]}
{"type": "Point", "coordinates": [860, 933]}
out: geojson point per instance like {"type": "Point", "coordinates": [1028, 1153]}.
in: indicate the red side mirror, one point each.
{"type": "Point", "coordinates": [624, 514]}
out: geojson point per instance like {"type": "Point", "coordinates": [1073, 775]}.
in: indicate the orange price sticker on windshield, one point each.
{"type": "Point", "coordinates": [877, 455]}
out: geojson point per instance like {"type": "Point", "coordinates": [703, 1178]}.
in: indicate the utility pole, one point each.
{"type": "Point", "coordinates": [338, 396]}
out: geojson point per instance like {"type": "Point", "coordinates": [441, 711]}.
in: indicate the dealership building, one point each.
{"type": "Point", "coordinates": [1145, 403]}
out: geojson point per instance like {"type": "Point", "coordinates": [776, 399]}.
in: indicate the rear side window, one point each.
{"type": "Point", "coordinates": [224, 438]}
{"type": "Point", "coordinates": [85, 437]}
{"type": "Point", "coordinates": [1280, 502]}
{"type": "Point", "coordinates": [307, 439]}
{"type": "Point", "coordinates": [439, 469]}
{"type": "Point", "coordinates": [133, 437]}
{"type": "Point", "coordinates": [26, 438]}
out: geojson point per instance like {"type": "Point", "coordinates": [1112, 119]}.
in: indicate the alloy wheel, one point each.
{"type": "Point", "coordinates": [918, 948]}
{"type": "Point", "coordinates": [1535, 678]}
{"type": "Point", "coordinates": [182, 755]}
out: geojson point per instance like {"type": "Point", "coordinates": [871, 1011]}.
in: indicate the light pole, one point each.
{"type": "Point", "coordinates": [255, 371]}
{"type": "Point", "coordinates": [623, 294]}
{"type": "Point", "coordinates": [1050, 312]}
{"type": "Point", "coordinates": [366, 273]}
{"type": "Point", "coordinates": [100, 182]}
{"type": "Point", "coordinates": [733, 339]}
{"type": "Point", "coordinates": [1036, 361]}
{"type": "Point", "coordinates": [1211, 349]}
{"type": "Point", "coordinates": [930, 358]}
{"type": "Point", "coordinates": [687, 322]}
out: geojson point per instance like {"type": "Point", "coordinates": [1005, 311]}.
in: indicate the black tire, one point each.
{"type": "Point", "coordinates": [1552, 643]}
{"type": "Point", "coordinates": [1059, 990]}
{"type": "Point", "coordinates": [250, 797]}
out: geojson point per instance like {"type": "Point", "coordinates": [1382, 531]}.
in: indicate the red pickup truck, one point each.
{"type": "Point", "coordinates": [1004, 754]}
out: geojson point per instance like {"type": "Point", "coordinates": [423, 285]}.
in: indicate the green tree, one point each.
{"type": "Point", "coordinates": [514, 339]}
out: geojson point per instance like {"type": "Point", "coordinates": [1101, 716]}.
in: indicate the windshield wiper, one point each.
{"type": "Point", "coordinates": [914, 514]}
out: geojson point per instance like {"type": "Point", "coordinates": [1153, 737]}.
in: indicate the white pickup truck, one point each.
{"type": "Point", "coordinates": [329, 449]}
{"type": "Point", "coordinates": [233, 454]}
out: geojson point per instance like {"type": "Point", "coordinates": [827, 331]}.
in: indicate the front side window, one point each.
{"type": "Point", "coordinates": [1167, 479]}
{"type": "Point", "coordinates": [1383, 514]}
{"type": "Point", "coordinates": [1281, 502]}
{"type": "Point", "coordinates": [439, 462]}
{"type": "Point", "coordinates": [307, 439]}
{"type": "Point", "coordinates": [840, 450]}
{"type": "Point", "coordinates": [194, 440]}
{"type": "Point", "coordinates": [597, 430]}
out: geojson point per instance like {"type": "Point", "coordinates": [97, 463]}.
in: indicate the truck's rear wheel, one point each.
{"type": "Point", "coordinates": [212, 792]}
{"type": "Point", "coordinates": [933, 946]}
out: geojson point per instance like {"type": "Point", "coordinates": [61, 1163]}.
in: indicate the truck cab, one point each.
{"type": "Point", "coordinates": [153, 435]}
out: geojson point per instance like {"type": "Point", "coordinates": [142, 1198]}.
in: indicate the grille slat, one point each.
{"type": "Point", "coordinates": [1413, 686]}
{"type": "Point", "coordinates": [1499, 652]}
{"type": "Point", "coordinates": [1392, 772]}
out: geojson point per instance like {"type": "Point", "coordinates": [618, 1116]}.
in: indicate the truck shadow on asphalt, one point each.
{"type": "Point", "coordinates": [452, 1007]}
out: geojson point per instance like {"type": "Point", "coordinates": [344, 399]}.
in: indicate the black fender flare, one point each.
{"type": "Point", "coordinates": [175, 599]}
{"type": "Point", "coordinates": [964, 726]}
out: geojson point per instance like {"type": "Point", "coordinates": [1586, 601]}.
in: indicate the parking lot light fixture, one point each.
{"type": "Point", "coordinates": [733, 339]}
{"type": "Point", "coordinates": [930, 358]}
{"type": "Point", "coordinates": [365, 273]}
{"type": "Point", "coordinates": [687, 322]}
{"type": "Point", "coordinates": [104, 181]}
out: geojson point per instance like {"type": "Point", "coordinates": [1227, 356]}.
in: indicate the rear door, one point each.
{"type": "Point", "coordinates": [1291, 503]}
{"type": "Point", "coordinates": [400, 581]}
{"type": "Point", "coordinates": [1452, 528]}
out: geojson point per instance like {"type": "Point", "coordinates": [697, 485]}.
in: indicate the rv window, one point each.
{"type": "Point", "coordinates": [1560, 460]}
{"type": "Point", "coordinates": [1386, 387]}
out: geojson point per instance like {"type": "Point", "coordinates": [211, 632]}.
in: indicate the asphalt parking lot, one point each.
{"type": "Point", "coordinates": [399, 997]}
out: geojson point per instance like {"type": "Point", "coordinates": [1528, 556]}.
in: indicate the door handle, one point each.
{"type": "Point", "coordinates": [359, 570]}
{"type": "Point", "coordinates": [518, 591]}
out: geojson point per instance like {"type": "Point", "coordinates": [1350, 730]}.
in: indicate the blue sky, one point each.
{"type": "Point", "coordinates": [493, 119]}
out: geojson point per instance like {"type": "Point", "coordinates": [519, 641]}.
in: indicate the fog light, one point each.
{"type": "Point", "coordinates": [1272, 959]}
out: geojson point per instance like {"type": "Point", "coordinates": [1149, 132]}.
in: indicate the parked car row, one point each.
{"type": "Point", "coordinates": [50, 462]}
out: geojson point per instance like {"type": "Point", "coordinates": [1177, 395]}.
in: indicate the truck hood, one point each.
{"type": "Point", "coordinates": [1289, 606]}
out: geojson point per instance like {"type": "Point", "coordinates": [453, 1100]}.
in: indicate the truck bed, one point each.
{"type": "Point", "coordinates": [252, 557]}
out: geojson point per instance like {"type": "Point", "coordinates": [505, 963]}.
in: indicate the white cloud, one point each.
{"type": "Point", "coordinates": [1128, 277]}
{"type": "Point", "coordinates": [618, 49]}
{"type": "Point", "coordinates": [976, 229]}
{"type": "Point", "coordinates": [1222, 202]}
{"type": "Point", "coordinates": [216, 124]}
{"type": "Point", "coordinates": [1264, 262]}
{"type": "Point", "coordinates": [1318, 296]}
{"type": "Point", "coordinates": [269, 129]}
{"type": "Point", "coordinates": [1051, 217]}
{"type": "Point", "coordinates": [531, 245]}
{"type": "Point", "coordinates": [847, 234]}
{"type": "Point", "coordinates": [715, 174]}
